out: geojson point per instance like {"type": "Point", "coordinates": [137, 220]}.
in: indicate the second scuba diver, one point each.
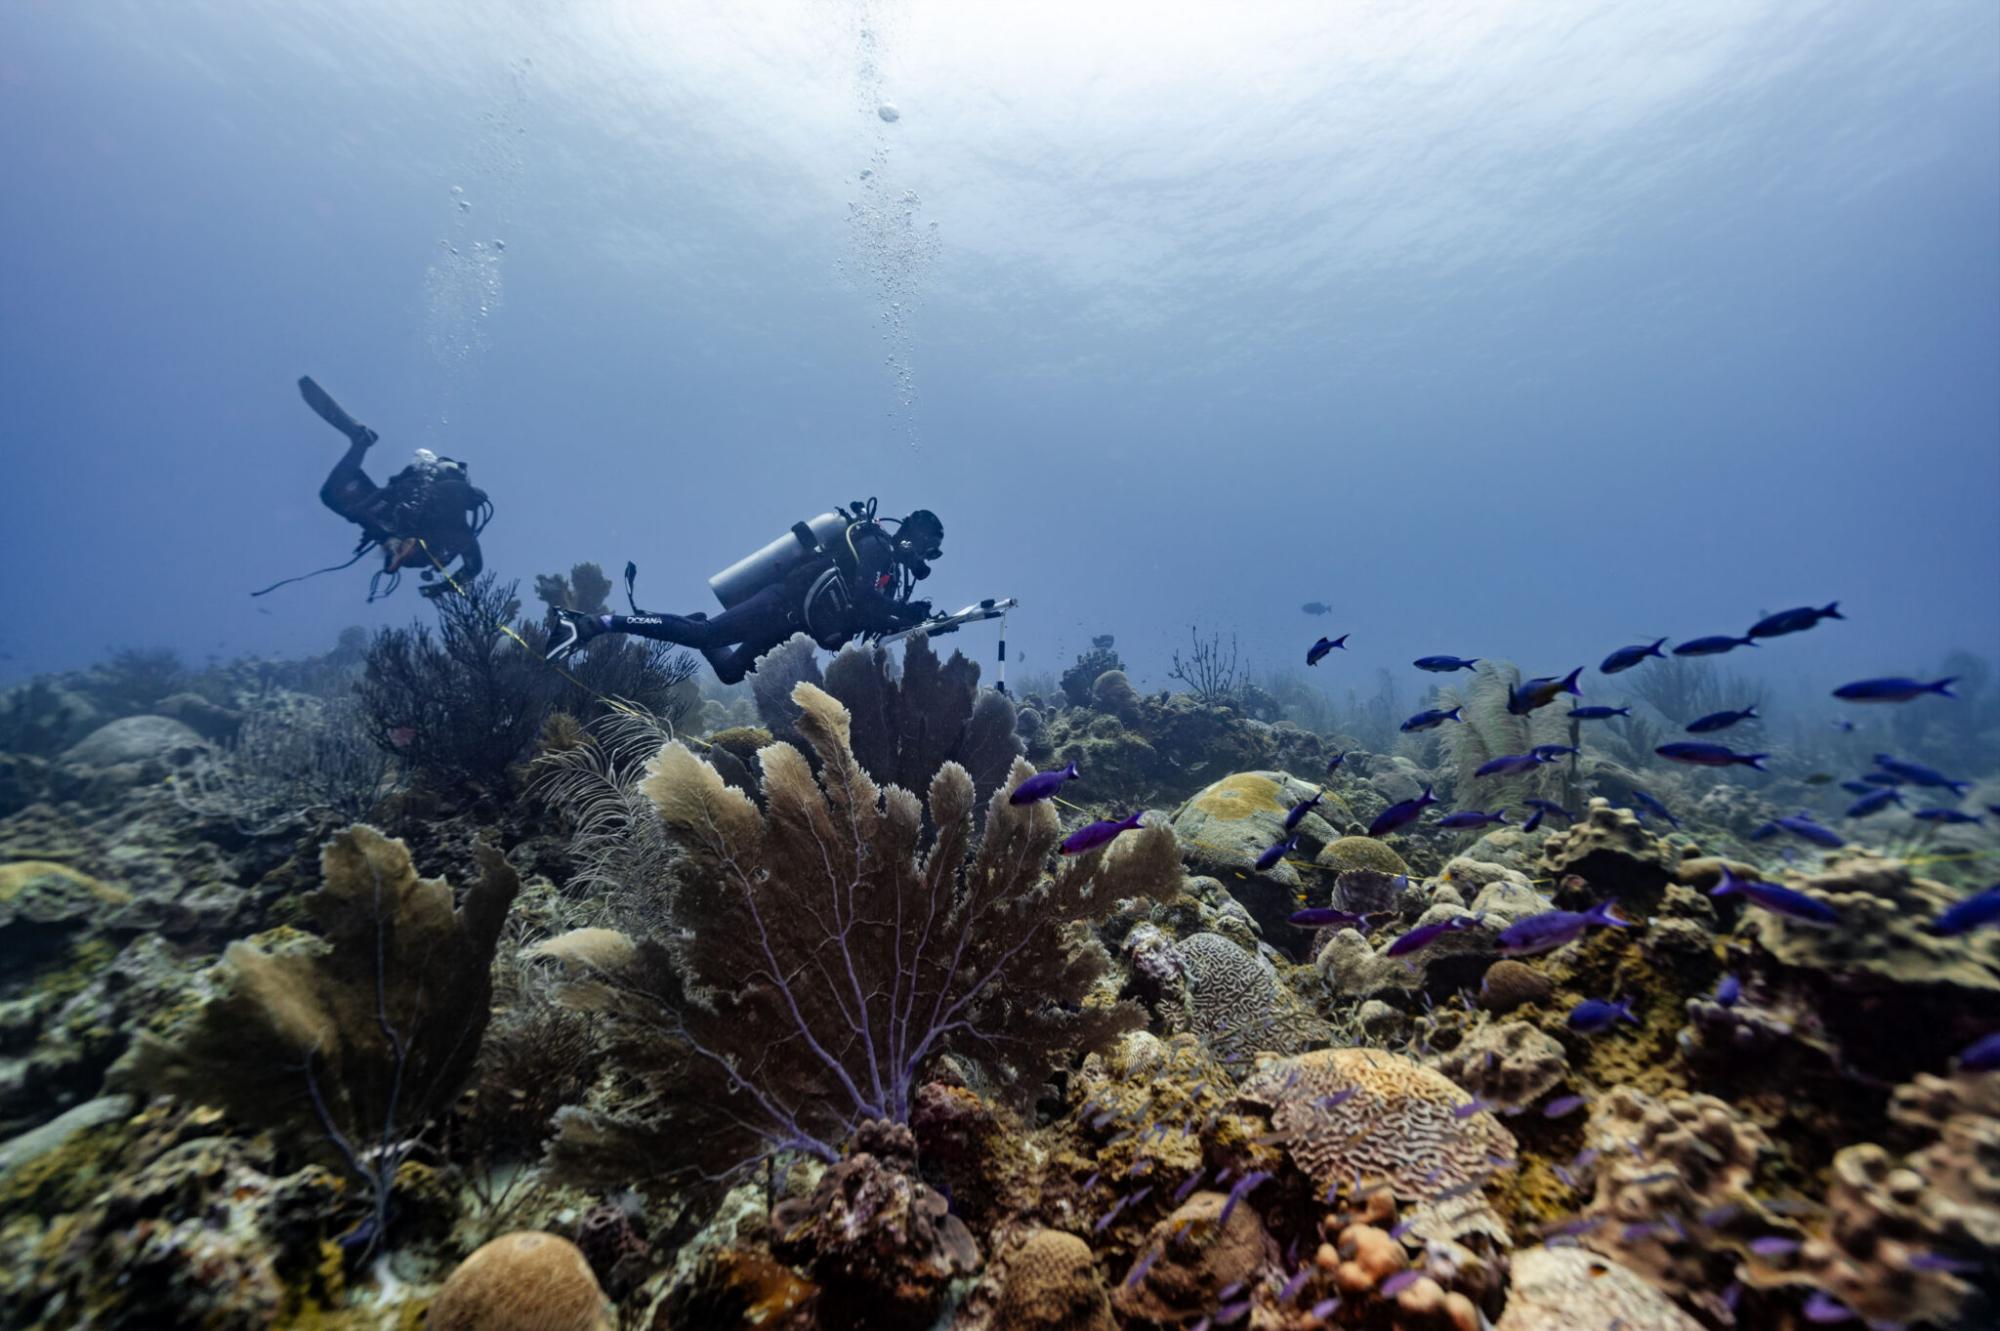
{"type": "Point", "coordinates": [835, 578]}
{"type": "Point", "coordinates": [426, 516]}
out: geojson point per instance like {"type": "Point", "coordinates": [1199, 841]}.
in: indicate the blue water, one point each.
{"type": "Point", "coordinates": [1509, 330]}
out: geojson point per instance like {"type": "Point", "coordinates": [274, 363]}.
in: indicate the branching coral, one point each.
{"type": "Point", "coordinates": [345, 1042]}
{"type": "Point", "coordinates": [810, 959]}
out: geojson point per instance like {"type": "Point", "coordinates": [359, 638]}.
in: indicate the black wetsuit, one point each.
{"type": "Point", "coordinates": [733, 640]}
{"type": "Point", "coordinates": [426, 501]}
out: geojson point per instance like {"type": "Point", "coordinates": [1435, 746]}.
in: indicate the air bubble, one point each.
{"type": "Point", "coordinates": [888, 112]}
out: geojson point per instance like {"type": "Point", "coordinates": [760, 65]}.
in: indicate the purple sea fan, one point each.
{"type": "Point", "coordinates": [808, 960]}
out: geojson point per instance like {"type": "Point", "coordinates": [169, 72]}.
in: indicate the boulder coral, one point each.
{"type": "Point", "coordinates": [1050, 1283]}
{"type": "Point", "coordinates": [1563, 1289]}
{"type": "Point", "coordinates": [526, 1281]}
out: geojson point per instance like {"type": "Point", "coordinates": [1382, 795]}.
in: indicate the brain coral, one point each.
{"type": "Point", "coordinates": [522, 1282]}
{"type": "Point", "coordinates": [1234, 1003]}
{"type": "Point", "coordinates": [1052, 1285]}
{"type": "Point", "coordinates": [1562, 1289]}
{"type": "Point", "coordinates": [1398, 1125]}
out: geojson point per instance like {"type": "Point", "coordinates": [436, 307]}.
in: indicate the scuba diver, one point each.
{"type": "Point", "coordinates": [427, 515]}
{"type": "Point", "coordinates": [835, 578]}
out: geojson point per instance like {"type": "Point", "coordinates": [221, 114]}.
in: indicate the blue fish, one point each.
{"type": "Point", "coordinates": [1398, 814]}
{"type": "Point", "coordinates": [1597, 713]}
{"type": "Point", "coordinates": [1270, 858]}
{"type": "Point", "coordinates": [1444, 665]}
{"type": "Point", "coordinates": [1534, 820]}
{"type": "Point", "coordinates": [1729, 991]}
{"type": "Point", "coordinates": [1801, 824]}
{"type": "Point", "coordinates": [1652, 805]}
{"type": "Point", "coordinates": [1548, 753]}
{"type": "Point", "coordinates": [1431, 719]}
{"type": "Point", "coordinates": [1424, 935]}
{"type": "Point", "coordinates": [1778, 900]}
{"type": "Point", "coordinates": [1977, 909]}
{"type": "Point", "coordinates": [1720, 721]}
{"type": "Point", "coordinates": [1541, 691]}
{"type": "Point", "coordinates": [1877, 799]}
{"type": "Point", "coordinates": [1627, 657]}
{"type": "Point", "coordinates": [1333, 763]}
{"type": "Point", "coordinates": [1843, 725]}
{"type": "Point", "coordinates": [1301, 809]}
{"type": "Point", "coordinates": [1942, 816]}
{"type": "Point", "coordinates": [1765, 831]}
{"type": "Point", "coordinates": [1794, 621]}
{"type": "Point", "coordinates": [1893, 688]}
{"type": "Point", "coordinates": [1550, 806]}
{"type": "Point", "coordinates": [1318, 651]}
{"type": "Point", "coordinates": [1885, 778]}
{"type": "Point", "coordinates": [1552, 928]}
{"type": "Point", "coordinates": [1714, 645]}
{"type": "Point", "coordinates": [1507, 764]}
{"type": "Point", "coordinates": [1859, 787]}
{"type": "Point", "coordinates": [1915, 774]}
{"type": "Point", "coordinates": [1473, 818]}
{"type": "Point", "coordinates": [1042, 785]}
{"type": "Point", "coordinates": [1599, 1014]}
{"type": "Point", "coordinates": [1982, 1055]}
{"type": "Point", "coordinates": [1102, 832]}
{"type": "Point", "coordinates": [1710, 755]}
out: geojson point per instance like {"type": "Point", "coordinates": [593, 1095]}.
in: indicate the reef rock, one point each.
{"type": "Point", "coordinates": [1565, 1289]}
{"type": "Point", "coordinates": [133, 740]}
{"type": "Point", "coordinates": [1401, 1127]}
{"type": "Point", "coordinates": [1611, 850]}
{"type": "Point", "coordinates": [1360, 852]}
{"type": "Point", "coordinates": [1202, 1252]}
{"type": "Point", "coordinates": [1508, 1065]}
{"type": "Point", "coordinates": [1509, 984]}
{"type": "Point", "coordinates": [1223, 830]}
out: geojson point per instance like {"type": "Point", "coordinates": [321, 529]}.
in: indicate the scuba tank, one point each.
{"type": "Point", "coordinates": [786, 555]}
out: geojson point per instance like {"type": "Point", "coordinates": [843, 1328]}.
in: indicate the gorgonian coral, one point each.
{"type": "Point", "coordinates": [807, 959]}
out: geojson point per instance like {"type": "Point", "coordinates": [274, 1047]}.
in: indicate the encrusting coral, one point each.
{"type": "Point", "coordinates": [809, 959]}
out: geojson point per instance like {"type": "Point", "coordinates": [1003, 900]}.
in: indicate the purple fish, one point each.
{"type": "Point", "coordinates": [1318, 651]}
{"type": "Point", "coordinates": [1765, 831]}
{"type": "Point", "coordinates": [1541, 691]}
{"type": "Point", "coordinates": [1430, 719]}
{"type": "Point", "coordinates": [1397, 1283]}
{"type": "Point", "coordinates": [1041, 785]}
{"type": "Point", "coordinates": [1424, 935]}
{"type": "Point", "coordinates": [1843, 725]}
{"type": "Point", "coordinates": [1328, 917]}
{"type": "Point", "coordinates": [1801, 824]}
{"type": "Point", "coordinates": [1102, 832]}
{"type": "Point", "coordinates": [1143, 1265]}
{"type": "Point", "coordinates": [1937, 1261]}
{"type": "Point", "coordinates": [1894, 688]}
{"type": "Point", "coordinates": [1508, 764]}
{"type": "Point", "coordinates": [1550, 806]}
{"type": "Point", "coordinates": [1337, 1099]}
{"type": "Point", "coordinates": [1895, 770]}
{"type": "Point", "coordinates": [1774, 1245]}
{"type": "Point", "coordinates": [1982, 1055]}
{"type": "Point", "coordinates": [1189, 1185]}
{"type": "Point", "coordinates": [1476, 1105]}
{"type": "Point", "coordinates": [1600, 1014]}
{"type": "Point", "coordinates": [1534, 820]}
{"type": "Point", "coordinates": [1326, 1307]}
{"type": "Point", "coordinates": [1400, 814]}
{"type": "Point", "coordinates": [1465, 818]}
{"type": "Point", "coordinates": [1295, 1284]}
{"type": "Point", "coordinates": [1444, 665]}
{"type": "Point", "coordinates": [1714, 645]}
{"type": "Point", "coordinates": [1552, 928]}
{"type": "Point", "coordinates": [1710, 755]}
{"type": "Point", "coordinates": [1729, 991]}
{"type": "Point", "coordinates": [1794, 621]}
{"type": "Point", "coordinates": [1302, 808]}
{"type": "Point", "coordinates": [1270, 857]}
{"type": "Point", "coordinates": [1563, 1106]}
{"type": "Point", "coordinates": [1720, 721]}
{"type": "Point", "coordinates": [1944, 816]}
{"type": "Point", "coordinates": [1597, 712]}
{"type": "Point", "coordinates": [1548, 753]}
{"type": "Point", "coordinates": [1243, 1187]}
{"type": "Point", "coordinates": [1651, 805]}
{"type": "Point", "coordinates": [1824, 1308]}
{"type": "Point", "coordinates": [1627, 657]}
{"type": "Point", "coordinates": [1778, 900]}
{"type": "Point", "coordinates": [1877, 799]}
{"type": "Point", "coordinates": [1333, 763]}
{"type": "Point", "coordinates": [1977, 909]}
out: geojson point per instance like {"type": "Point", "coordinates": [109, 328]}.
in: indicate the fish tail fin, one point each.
{"type": "Point", "coordinates": [1604, 912]}
{"type": "Point", "coordinates": [1832, 611]}
{"type": "Point", "coordinates": [1941, 687]}
{"type": "Point", "coordinates": [1747, 642]}
{"type": "Point", "coordinates": [1654, 650]}
{"type": "Point", "coordinates": [1454, 713]}
{"type": "Point", "coordinates": [1756, 760]}
{"type": "Point", "coordinates": [1728, 887]}
{"type": "Point", "coordinates": [1750, 714]}
{"type": "Point", "coordinates": [1569, 684]}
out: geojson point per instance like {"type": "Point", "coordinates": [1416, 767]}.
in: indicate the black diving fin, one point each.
{"type": "Point", "coordinates": [330, 411]}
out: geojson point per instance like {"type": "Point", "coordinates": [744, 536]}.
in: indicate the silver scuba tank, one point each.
{"type": "Point", "coordinates": [753, 573]}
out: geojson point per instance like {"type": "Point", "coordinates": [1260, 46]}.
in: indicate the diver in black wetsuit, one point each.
{"type": "Point", "coordinates": [426, 516]}
{"type": "Point", "coordinates": [839, 576]}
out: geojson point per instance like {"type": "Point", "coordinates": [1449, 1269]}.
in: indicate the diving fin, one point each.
{"type": "Point", "coordinates": [330, 411]}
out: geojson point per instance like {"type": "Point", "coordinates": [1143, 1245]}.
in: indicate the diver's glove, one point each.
{"type": "Point", "coordinates": [572, 630]}
{"type": "Point", "coordinates": [434, 590]}
{"type": "Point", "coordinates": [915, 612]}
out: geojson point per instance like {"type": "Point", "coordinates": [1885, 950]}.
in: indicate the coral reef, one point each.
{"type": "Point", "coordinates": [1208, 1245]}
{"type": "Point", "coordinates": [1560, 1289]}
{"type": "Point", "coordinates": [1508, 1065]}
{"type": "Point", "coordinates": [1050, 1283]}
{"type": "Point", "coordinates": [522, 1282]}
{"type": "Point", "coordinates": [1234, 1003]}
